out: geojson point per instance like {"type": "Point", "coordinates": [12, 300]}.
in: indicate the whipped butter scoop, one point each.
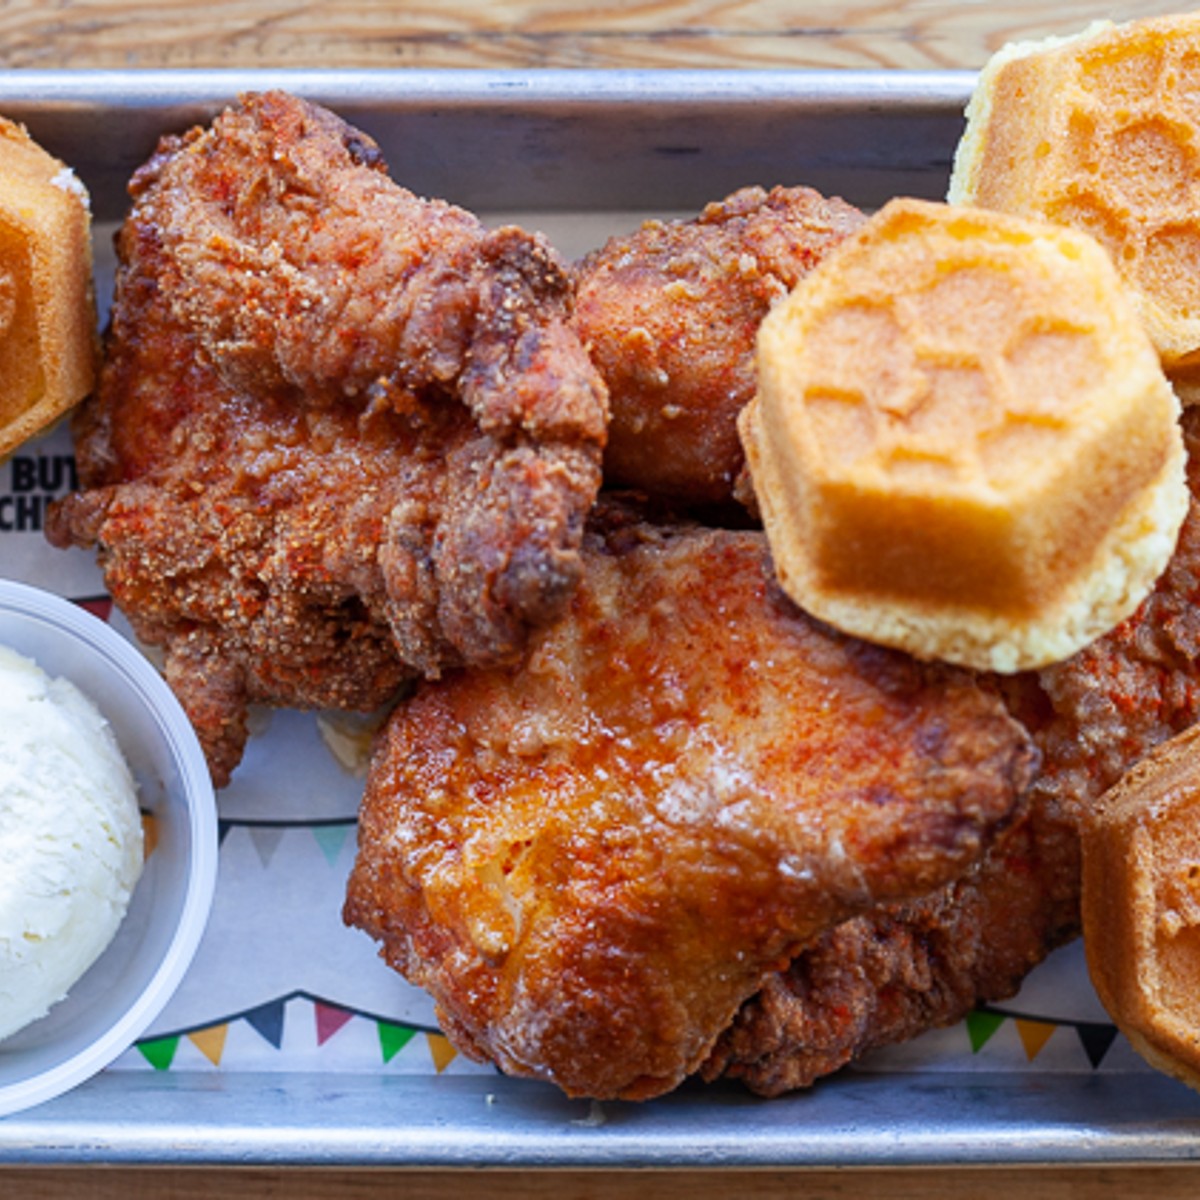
{"type": "Point", "coordinates": [70, 838]}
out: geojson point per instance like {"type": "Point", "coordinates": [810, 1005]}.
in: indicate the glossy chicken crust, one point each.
{"type": "Point", "coordinates": [891, 974]}
{"type": "Point", "coordinates": [670, 313]}
{"type": "Point", "coordinates": [343, 436]}
{"type": "Point", "coordinates": [593, 858]}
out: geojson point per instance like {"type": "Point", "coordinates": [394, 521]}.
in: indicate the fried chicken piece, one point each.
{"type": "Point", "coordinates": [342, 436]}
{"type": "Point", "coordinates": [591, 859]}
{"type": "Point", "coordinates": [670, 315]}
{"type": "Point", "coordinates": [888, 975]}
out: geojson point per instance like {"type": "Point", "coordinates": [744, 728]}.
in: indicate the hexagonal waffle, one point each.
{"type": "Point", "coordinates": [47, 315]}
{"type": "Point", "coordinates": [963, 443]}
{"type": "Point", "coordinates": [1141, 905]}
{"type": "Point", "coordinates": [1102, 133]}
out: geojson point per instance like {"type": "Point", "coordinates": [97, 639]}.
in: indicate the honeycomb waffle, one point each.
{"type": "Point", "coordinates": [963, 444]}
{"type": "Point", "coordinates": [47, 314]}
{"type": "Point", "coordinates": [1141, 905]}
{"type": "Point", "coordinates": [1102, 132]}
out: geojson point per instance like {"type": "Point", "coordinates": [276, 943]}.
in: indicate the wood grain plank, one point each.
{"type": "Point", "coordinates": [521, 34]}
{"type": "Point", "coordinates": [1163, 1183]}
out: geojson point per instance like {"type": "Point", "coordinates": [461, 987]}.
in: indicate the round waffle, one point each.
{"type": "Point", "coordinates": [963, 444]}
{"type": "Point", "coordinates": [1102, 132]}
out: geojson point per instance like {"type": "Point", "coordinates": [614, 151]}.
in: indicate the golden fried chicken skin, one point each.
{"type": "Point", "coordinates": [670, 314]}
{"type": "Point", "coordinates": [343, 436]}
{"type": "Point", "coordinates": [888, 975]}
{"type": "Point", "coordinates": [593, 858]}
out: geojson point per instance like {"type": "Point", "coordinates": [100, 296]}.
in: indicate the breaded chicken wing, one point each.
{"type": "Point", "coordinates": [888, 975]}
{"type": "Point", "coordinates": [593, 858]}
{"type": "Point", "coordinates": [670, 314]}
{"type": "Point", "coordinates": [343, 436]}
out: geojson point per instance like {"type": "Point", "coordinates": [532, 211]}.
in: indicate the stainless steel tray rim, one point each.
{"type": "Point", "coordinates": [821, 86]}
{"type": "Point", "coordinates": [655, 140]}
{"type": "Point", "coordinates": [952, 1119]}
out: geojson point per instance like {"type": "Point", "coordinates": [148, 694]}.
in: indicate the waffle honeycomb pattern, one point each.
{"type": "Point", "coordinates": [1102, 133]}
{"type": "Point", "coordinates": [1131, 161]}
{"type": "Point", "coordinates": [969, 385]}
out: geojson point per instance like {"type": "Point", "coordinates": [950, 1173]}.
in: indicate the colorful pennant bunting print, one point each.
{"type": "Point", "coordinates": [266, 836]}
{"type": "Point", "coordinates": [1096, 1039]}
{"type": "Point", "coordinates": [1034, 1035]}
{"type": "Point", "coordinates": [331, 838]}
{"type": "Point", "coordinates": [393, 1038]}
{"type": "Point", "coordinates": [267, 1020]}
{"type": "Point", "coordinates": [440, 1050]}
{"type": "Point", "coordinates": [210, 1042]}
{"type": "Point", "coordinates": [159, 1052]}
{"type": "Point", "coordinates": [981, 1025]}
{"type": "Point", "coordinates": [98, 606]}
{"type": "Point", "coordinates": [329, 1020]}
{"type": "Point", "coordinates": [266, 839]}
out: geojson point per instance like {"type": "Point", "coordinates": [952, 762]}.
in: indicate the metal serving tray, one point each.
{"type": "Point", "coordinates": [577, 152]}
{"type": "Point", "coordinates": [560, 140]}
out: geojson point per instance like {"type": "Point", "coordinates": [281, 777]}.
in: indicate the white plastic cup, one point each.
{"type": "Point", "coordinates": [120, 996]}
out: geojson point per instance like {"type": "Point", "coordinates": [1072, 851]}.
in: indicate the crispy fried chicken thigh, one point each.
{"type": "Point", "coordinates": [592, 858]}
{"type": "Point", "coordinates": [343, 436]}
{"type": "Point", "coordinates": [670, 314]}
{"type": "Point", "coordinates": [891, 974]}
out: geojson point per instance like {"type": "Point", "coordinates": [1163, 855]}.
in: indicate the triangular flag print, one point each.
{"type": "Point", "coordinates": [981, 1026]}
{"type": "Point", "coordinates": [267, 1020]}
{"type": "Point", "coordinates": [98, 606]}
{"type": "Point", "coordinates": [210, 1042]}
{"type": "Point", "coordinates": [393, 1038]}
{"type": "Point", "coordinates": [1096, 1040]}
{"type": "Point", "coordinates": [331, 839]}
{"type": "Point", "coordinates": [329, 1020]}
{"type": "Point", "coordinates": [1034, 1035]}
{"type": "Point", "coordinates": [159, 1052]}
{"type": "Point", "coordinates": [440, 1050]}
{"type": "Point", "coordinates": [266, 839]}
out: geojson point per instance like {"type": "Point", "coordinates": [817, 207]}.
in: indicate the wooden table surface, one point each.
{"type": "Point", "coordinates": [750, 34]}
{"type": "Point", "coordinates": [516, 33]}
